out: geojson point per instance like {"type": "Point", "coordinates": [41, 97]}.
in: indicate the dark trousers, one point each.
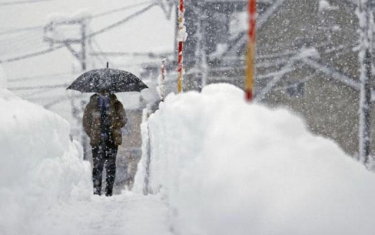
{"type": "Point", "coordinates": [104, 155]}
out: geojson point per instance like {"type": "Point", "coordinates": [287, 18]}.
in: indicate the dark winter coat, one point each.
{"type": "Point", "coordinates": [92, 120]}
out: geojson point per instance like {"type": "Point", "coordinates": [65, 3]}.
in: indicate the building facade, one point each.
{"type": "Point", "coordinates": [306, 59]}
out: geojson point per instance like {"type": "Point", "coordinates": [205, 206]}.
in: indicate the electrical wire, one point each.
{"type": "Point", "coordinates": [40, 27]}
{"type": "Point", "coordinates": [18, 30]}
{"type": "Point", "coordinates": [38, 53]}
{"type": "Point", "coordinates": [37, 87]}
{"type": "Point", "coordinates": [38, 77]}
{"type": "Point", "coordinates": [121, 21]}
{"type": "Point", "coordinates": [44, 51]}
{"type": "Point", "coordinates": [119, 9]}
{"type": "Point", "coordinates": [14, 42]}
{"type": "Point", "coordinates": [22, 2]}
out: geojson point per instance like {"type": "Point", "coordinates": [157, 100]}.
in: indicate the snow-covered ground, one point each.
{"type": "Point", "coordinates": [218, 166]}
{"type": "Point", "coordinates": [126, 214]}
{"type": "Point", "coordinates": [227, 167]}
{"type": "Point", "coordinates": [45, 186]}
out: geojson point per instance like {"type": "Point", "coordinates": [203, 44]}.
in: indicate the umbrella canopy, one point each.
{"type": "Point", "coordinates": [109, 80]}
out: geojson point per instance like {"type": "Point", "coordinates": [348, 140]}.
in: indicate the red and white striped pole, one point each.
{"type": "Point", "coordinates": [181, 37]}
{"type": "Point", "coordinates": [250, 68]}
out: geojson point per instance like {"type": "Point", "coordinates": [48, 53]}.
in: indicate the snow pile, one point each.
{"type": "Point", "coordinates": [228, 167]}
{"type": "Point", "coordinates": [40, 165]}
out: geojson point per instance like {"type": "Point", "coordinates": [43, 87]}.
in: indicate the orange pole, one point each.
{"type": "Point", "coordinates": [180, 45]}
{"type": "Point", "coordinates": [250, 68]}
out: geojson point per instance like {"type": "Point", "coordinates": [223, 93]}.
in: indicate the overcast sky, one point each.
{"type": "Point", "coordinates": [150, 32]}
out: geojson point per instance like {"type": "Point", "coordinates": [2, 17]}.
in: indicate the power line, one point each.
{"type": "Point", "coordinates": [121, 54]}
{"type": "Point", "coordinates": [31, 55]}
{"type": "Point", "coordinates": [22, 2]}
{"type": "Point", "coordinates": [121, 21]}
{"type": "Point", "coordinates": [119, 9]}
{"type": "Point", "coordinates": [38, 27]}
{"type": "Point", "coordinates": [37, 87]}
{"type": "Point", "coordinates": [89, 36]}
{"type": "Point", "coordinates": [14, 43]}
{"type": "Point", "coordinates": [18, 30]}
{"type": "Point", "coordinates": [22, 42]}
{"type": "Point", "coordinates": [38, 77]}
{"type": "Point", "coordinates": [20, 35]}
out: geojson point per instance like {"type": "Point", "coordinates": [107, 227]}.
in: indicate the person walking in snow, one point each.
{"type": "Point", "coordinates": [103, 118]}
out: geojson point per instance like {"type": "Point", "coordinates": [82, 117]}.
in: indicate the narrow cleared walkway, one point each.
{"type": "Point", "coordinates": [118, 215]}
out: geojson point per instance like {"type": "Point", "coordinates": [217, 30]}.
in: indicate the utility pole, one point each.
{"type": "Point", "coordinates": [53, 35]}
{"type": "Point", "coordinates": [83, 102]}
{"type": "Point", "coordinates": [201, 66]}
{"type": "Point", "coordinates": [83, 45]}
{"type": "Point", "coordinates": [365, 59]}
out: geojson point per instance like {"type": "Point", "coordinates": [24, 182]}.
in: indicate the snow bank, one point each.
{"type": "Point", "coordinates": [40, 165]}
{"type": "Point", "coordinates": [227, 167]}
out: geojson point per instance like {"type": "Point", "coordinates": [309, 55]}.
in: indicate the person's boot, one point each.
{"type": "Point", "coordinates": [97, 187]}
{"type": "Point", "coordinates": [108, 192]}
{"type": "Point", "coordinates": [97, 191]}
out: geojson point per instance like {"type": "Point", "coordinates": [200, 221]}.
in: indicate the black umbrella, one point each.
{"type": "Point", "coordinates": [107, 79]}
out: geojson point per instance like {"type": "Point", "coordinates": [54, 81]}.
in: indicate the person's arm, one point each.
{"type": "Point", "coordinates": [87, 119]}
{"type": "Point", "coordinates": [121, 118]}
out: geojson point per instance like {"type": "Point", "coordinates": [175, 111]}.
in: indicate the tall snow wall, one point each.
{"type": "Point", "coordinates": [40, 164]}
{"type": "Point", "coordinates": [227, 167]}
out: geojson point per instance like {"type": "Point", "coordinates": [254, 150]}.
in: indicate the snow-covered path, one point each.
{"type": "Point", "coordinates": [126, 214]}
{"type": "Point", "coordinates": [46, 187]}
{"type": "Point", "coordinates": [218, 167]}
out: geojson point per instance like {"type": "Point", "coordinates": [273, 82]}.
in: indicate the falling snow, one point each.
{"type": "Point", "coordinates": [298, 160]}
